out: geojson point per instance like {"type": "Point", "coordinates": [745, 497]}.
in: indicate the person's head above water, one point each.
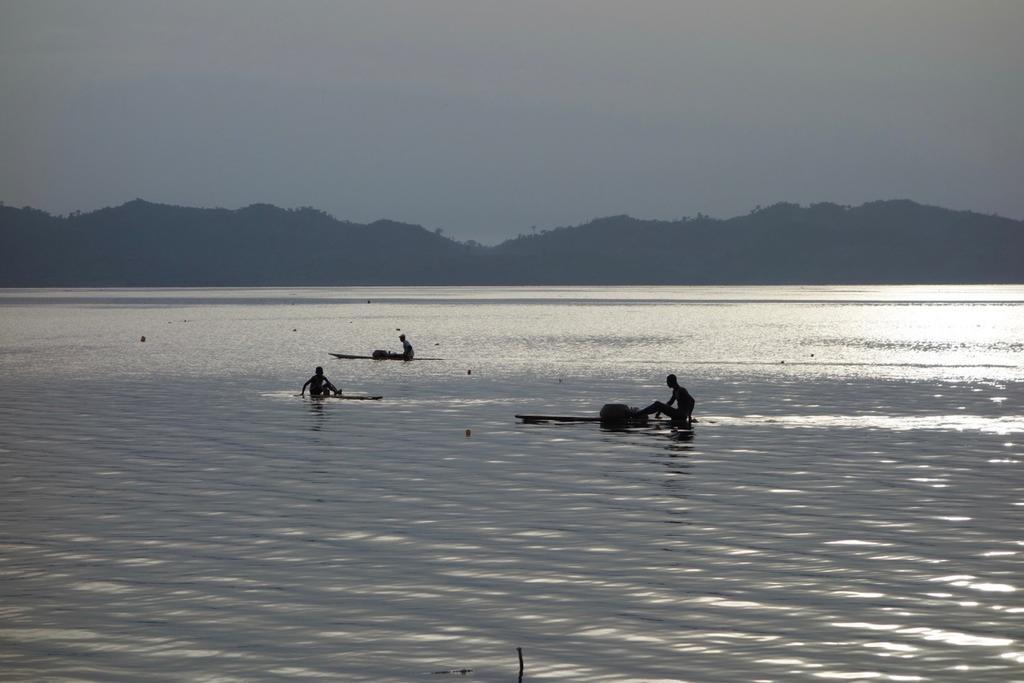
{"type": "Point", "coordinates": [402, 337]}
{"type": "Point", "coordinates": [671, 381]}
{"type": "Point", "coordinates": [319, 370]}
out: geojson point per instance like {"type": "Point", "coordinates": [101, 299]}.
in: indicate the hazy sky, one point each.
{"type": "Point", "coordinates": [486, 118]}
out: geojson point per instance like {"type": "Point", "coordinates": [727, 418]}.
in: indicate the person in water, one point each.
{"type": "Point", "coordinates": [319, 385]}
{"type": "Point", "coordinates": [683, 410]}
{"type": "Point", "coordinates": [407, 351]}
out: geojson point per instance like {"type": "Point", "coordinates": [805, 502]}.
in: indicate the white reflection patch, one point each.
{"type": "Point", "coordinates": [544, 534]}
{"type": "Point", "coordinates": [865, 625]}
{"type": "Point", "coordinates": [857, 542]}
{"type": "Point", "coordinates": [598, 632]}
{"type": "Point", "coordinates": [101, 587]}
{"type": "Point", "coordinates": [785, 661]}
{"type": "Point", "coordinates": [955, 638]}
{"type": "Point", "coordinates": [849, 676]}
{"type": "Point", "coordinates": [992, 587]}
{"type": "Point", "coordinates": [953, 578]}
{"type": "Point", "coordinates": [858, 594]}
{"type": "Point", "coordinates": [1002, 425]}
{"type": "Point", "coordinates": [895, 647]}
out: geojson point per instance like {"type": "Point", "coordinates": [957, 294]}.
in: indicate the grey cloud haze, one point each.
{"type": "Point", "coordinates": [486, 118]}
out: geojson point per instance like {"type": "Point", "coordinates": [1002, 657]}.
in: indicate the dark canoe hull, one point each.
{"type": "Point", "coordinates": [345, 397]}
{"type": "Point", "coordinates": [629, 422]}
{"type": "Point", "coordinates": [390, 356]}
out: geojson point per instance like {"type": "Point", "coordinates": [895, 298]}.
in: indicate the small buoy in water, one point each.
{"type": "Point", "coordinates": [468, 372]}
{"type": "Point", "coordinates": [367, 301]}
{"type": "Point", "coordinates": [143, 338]}
{"type": "Point", "coordinates": [468, 433]}
{"type": "Point", "coordinates": [295, 329]}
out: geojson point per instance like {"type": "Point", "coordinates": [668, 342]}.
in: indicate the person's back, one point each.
{"type": "Point", "coordinates": [684, 403]}
{"type": "Point", "coordinates": [683, 399]}
{"type": "Point", "coordinates": [319, 384]}
{"type": "Point", "coordinates": [407, 351]}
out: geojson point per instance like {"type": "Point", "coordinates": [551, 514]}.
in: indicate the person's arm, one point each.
{"type": "Point", "coordinates": [303, 392]}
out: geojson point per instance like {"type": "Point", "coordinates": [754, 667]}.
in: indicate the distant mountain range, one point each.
{"type": "Point", "coordinates": [143, 244]}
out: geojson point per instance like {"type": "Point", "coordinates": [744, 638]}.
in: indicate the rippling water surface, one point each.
{"type": "Point", "coordinates": [848, 508]}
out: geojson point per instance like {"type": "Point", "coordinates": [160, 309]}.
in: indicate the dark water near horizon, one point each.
{"type": "Point", "coordinates": [848, 508]}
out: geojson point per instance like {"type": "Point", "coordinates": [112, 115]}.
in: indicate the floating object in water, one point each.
{"type": "Point", "coordinates": [618, 412]}
{"type": "Point", "coordinates": [379, 354]}
{"type": "Point", "coordinates": [469, 433]}
{"type": "Point", "coordinates": [612, 414]}
{"type": "Point", "coordinates": [143, 338]}
{"type": "Point", "coordinates": [348, 397]}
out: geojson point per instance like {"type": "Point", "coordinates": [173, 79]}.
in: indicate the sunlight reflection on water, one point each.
{"type": "Point", "coordinates": [193, 519]}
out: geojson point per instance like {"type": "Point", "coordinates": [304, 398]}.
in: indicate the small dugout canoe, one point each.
{"type": "Point", "coordinates": [631, 422]}
{"type": "Point", "coordinates": [379, 355]}
{"type": "Point", "coordinates": [611, 415]}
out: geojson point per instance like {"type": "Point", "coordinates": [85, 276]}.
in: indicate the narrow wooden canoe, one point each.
{"type": "Point", "coordinates": [390, 356]}
{"type": "Point", "coordinates": [348, 397]}
{"type": "Point", "coordinates": [636, 421]}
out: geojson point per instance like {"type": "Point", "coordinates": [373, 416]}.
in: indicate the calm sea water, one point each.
{"type": "Point", "coordinates": [849, 507]}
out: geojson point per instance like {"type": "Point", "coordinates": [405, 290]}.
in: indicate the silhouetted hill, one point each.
{"type": "Point", "coordinates": [144, 244]}
{"type": "Point", "coordinates": [880, 242]}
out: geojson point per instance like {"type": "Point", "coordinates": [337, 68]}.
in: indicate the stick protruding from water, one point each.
{"type": "Point", "coordinates": [519, 650]}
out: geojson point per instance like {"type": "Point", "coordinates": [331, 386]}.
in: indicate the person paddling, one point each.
{"type": "Point", "coordinates": [407, 352]}
{"type": "Point", "coordinates": [319, 385]}
{"type": "Point", "coordinates": [683, 410]}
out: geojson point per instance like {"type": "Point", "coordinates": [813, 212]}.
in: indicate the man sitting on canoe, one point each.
{"type": "Point", "coordinates": [683, 412]}
{"type": "Point", "coordinates": [319, 385]}
{"type": "Point", "coordinates": [407, 352]}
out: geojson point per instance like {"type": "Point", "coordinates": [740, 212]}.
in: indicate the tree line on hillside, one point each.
{"type": "Point", "coordinates": [145, 244]}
